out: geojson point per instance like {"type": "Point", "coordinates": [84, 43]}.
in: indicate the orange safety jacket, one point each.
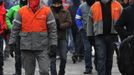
{"type": "Point", "coordinates": [96, 11]}
{"type": "Point", "coordinates": [34, 22]}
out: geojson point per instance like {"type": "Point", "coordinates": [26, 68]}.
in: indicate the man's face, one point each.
{"type": "Point", "coordinates": [56, 4]}
{"type": "Point", "coordinates": [34, 3]}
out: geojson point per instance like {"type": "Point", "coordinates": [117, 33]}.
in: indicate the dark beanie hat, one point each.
{"type": "Point", "coordinates": [90, 2]}
{"type": "Point", "coordinates": [23, 2]}
{"type": "Point", "coordinates": [56, 1]}
{"type": "Point", "coordinates": [76, 2]}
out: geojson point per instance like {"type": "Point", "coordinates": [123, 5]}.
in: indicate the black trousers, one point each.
{"type": "Point", "coordinates": [18, 64]}
{"type": "Point", "coordinates": [1, 55]}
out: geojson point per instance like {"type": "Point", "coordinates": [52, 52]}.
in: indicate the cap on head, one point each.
{"type": "Point", "coordinates": [23, 2]}
{"type": "Point", "coordinates": [76, 2]}
{"type": "Point", "coordinates": [90, 2]}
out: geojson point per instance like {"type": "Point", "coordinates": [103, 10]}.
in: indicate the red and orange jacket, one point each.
{"type": "Point", "coordinates": [37, 22]}
{"type": "Point", "coordinates": [37, 29]}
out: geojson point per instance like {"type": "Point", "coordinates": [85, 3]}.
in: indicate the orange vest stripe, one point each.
{"type": "Point", "coordinates": [34, 22]}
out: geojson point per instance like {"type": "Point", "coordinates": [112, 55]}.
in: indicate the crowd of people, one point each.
{"type": "Point", "coordinates": [41, 30]}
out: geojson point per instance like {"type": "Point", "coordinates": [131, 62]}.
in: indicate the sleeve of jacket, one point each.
{"type": "Point", "coordinates": [16, 29]}
{"type": "Point", "coordinates": [68, 21]}
{"type": "Point", "coordinates": [52, 29]}
{"type": "Point", "coordinates": [9, 16]}
{"type": "Point", "coordinates": [78, 19]}
{"type": "Point", "coordinates": [90, 30]}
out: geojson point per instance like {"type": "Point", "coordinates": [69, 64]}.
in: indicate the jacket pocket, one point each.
{"type": "Point", "coordinates": [43, 38]}
{"type": "Point", "coordinates": [39, 40]}
{"type": "Point", "coordinates": [43, 34]}
{"type": "Point", "coordinates": [25, 40]}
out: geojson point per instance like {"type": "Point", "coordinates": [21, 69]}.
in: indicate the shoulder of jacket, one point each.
{"type": "Point", "coordinates": [46, 9]}
{"type": "Point", "coordinates": [23, 8]}
{"type": "Point", "coordinates": [82, 5]}
{"type": "Point", "coordinates": [96, 4]}
{"type": "Point", "coordinates": [17, 6]}
{"type": "Point", "coordinates": [14, 7]}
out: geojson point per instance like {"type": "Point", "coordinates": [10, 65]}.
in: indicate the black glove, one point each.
{"type": "Point", "coordinates": [12, 49]}
{"type": "Point", "coordinates": [52, 51]}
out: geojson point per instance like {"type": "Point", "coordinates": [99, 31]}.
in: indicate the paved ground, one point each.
{"type": "Point", "coordinates": [71, 69]}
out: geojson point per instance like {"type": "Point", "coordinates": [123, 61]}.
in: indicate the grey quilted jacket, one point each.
{"type": "Point", "coordinates": [34, 40]}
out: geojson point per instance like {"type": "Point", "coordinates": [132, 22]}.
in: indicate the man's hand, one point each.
{"type": "Point", "coordinates": [52, 51]}
{"type": "Point", "coordinates": [12, 49]}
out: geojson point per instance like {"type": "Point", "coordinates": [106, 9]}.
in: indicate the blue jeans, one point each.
{"type": "Point", "coordinates": [62, 48]}
{"type": "Point", "coordinates": [70, 41]}
{"type": "Point", "coordinates": [1, 55]}
{"type": "Point", "coordinates": [104, 53]}
{"type": "Point", "coordinates": [87, 52]}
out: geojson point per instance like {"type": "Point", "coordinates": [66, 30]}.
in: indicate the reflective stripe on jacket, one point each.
{"type": "Point", "coordinates": [37, 30]}
{"type": "Point", "coordinates": [96, 13]}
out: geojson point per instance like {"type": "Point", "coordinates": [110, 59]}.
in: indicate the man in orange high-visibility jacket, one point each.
{"type": "Point", "coordinates": [36, 26]}
{"type": "Point", "coordinates": [104, 14]}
